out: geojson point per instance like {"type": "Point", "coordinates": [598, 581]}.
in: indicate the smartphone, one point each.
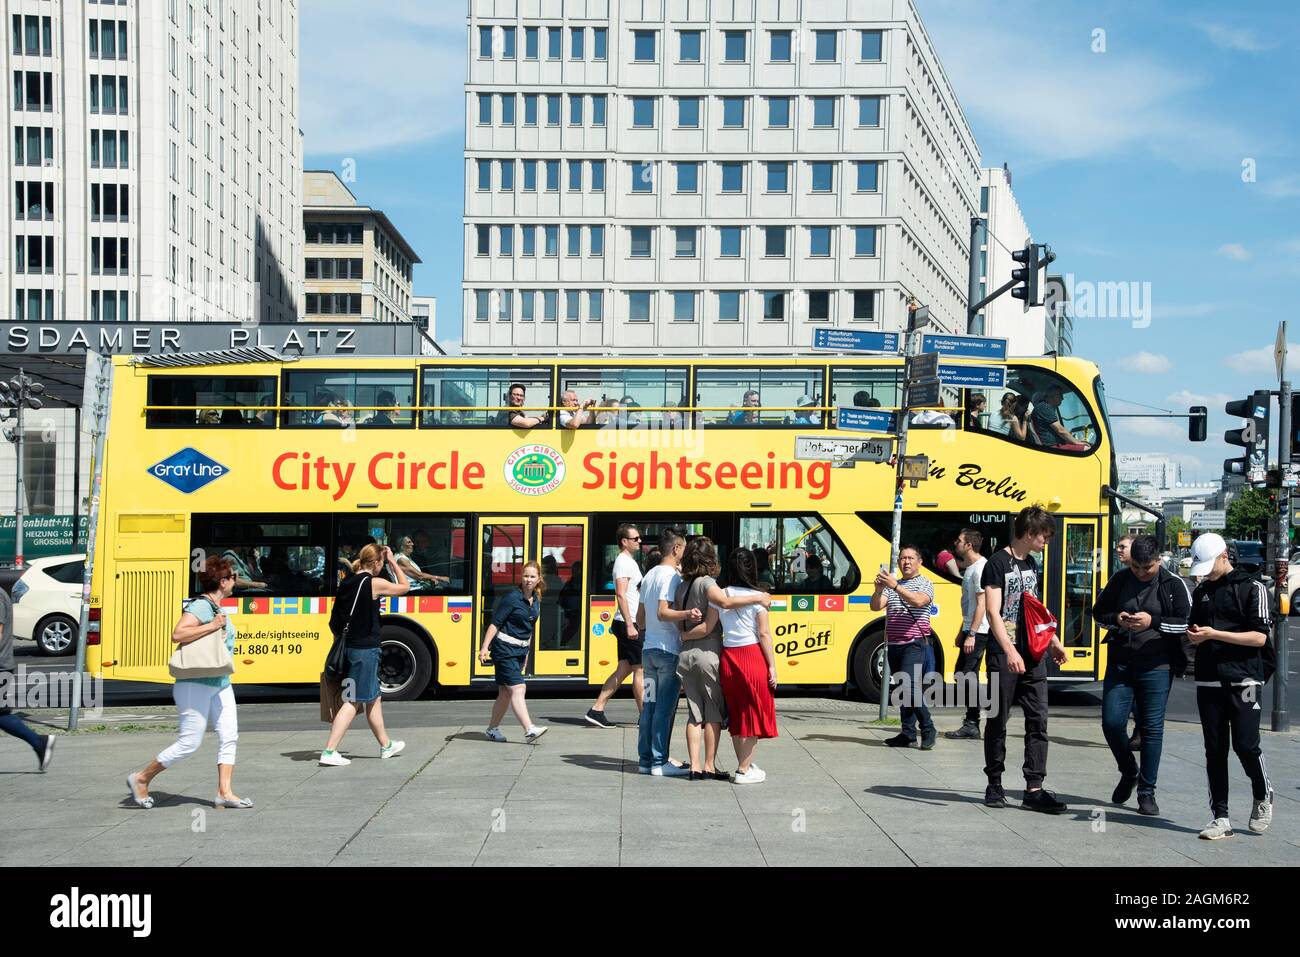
{"type": "Point", "coordinates": [883, 569]}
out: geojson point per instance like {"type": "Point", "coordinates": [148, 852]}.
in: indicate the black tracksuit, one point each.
{"type": "Point", "coordinates": [1230, 679]}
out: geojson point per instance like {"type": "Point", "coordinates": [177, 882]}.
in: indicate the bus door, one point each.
{"type": "Point", "coordinates": [503, 549]}
{"type": "Point", "coordinates": [1073, 574]}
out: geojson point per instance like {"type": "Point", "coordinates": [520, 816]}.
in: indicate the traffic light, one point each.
{"type": "Point", "coordinates": [1198, 423]}
{"type": "Point", "coordinates": [1253, 437]}
{"type": "Point", "coordinates": [1033, 259]}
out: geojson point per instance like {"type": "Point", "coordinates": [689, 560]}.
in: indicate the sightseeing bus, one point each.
{"type": "Point", "coordinates": [289, 467]}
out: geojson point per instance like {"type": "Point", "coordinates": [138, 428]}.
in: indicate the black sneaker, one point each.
{"type": "Point", "coordinates": [967, 730]}
{"type": "Point", "coordinates": [1135, 742]}
{"type": "Point", "coordinates": [900, 741]}
{"type": "Point", "coordinates": [994, 796]}
{"type": "Point", "coordinates": [1123, 790]}
{"type": "Point", "coordinates": [46, 752]}
{"type": "Point", "coordinates": [1044, 801]}
{"type": "Point", "coordinates": [928, 738]}
{"type": "Point", "coordinates": [1147, 805]}
{"type": "Point", "coordinates": [598, 719]}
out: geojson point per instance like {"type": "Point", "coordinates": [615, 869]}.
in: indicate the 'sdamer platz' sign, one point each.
{"type": "Point", "coordinates": [153, 338]}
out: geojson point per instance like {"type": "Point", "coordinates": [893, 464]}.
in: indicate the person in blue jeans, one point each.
{"type": "Point", "coordinates": [1147, 608]}
{"type": "Point", "coordinates": [10, 723]}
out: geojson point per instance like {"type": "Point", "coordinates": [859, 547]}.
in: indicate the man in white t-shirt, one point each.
{"type": "Point", "coordinates": [974, 636]}
{"type": "Point", "coordinates": [627, 582]}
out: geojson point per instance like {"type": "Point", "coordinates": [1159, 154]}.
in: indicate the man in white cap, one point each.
{"type": "Point", "coordinates": [1234, 657]}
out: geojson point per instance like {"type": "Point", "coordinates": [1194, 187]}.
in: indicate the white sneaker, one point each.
{"type": "Point", "coordinates": [670, 771]}
{"type": "Point", "coordinates": [755, 775]}
{"type": "Point", "coordinates": [333, 759]}
{"type": "Point", "coordinates": [1219, 828]}
{"type": "Point", "coordinates": [1261, 814]}
{"type": "Point", "coordinates": [494, 734]}
{"type": "Point", "coordinates": [533, 733]}
{"type": "Point", "coordinates": [394, 748]}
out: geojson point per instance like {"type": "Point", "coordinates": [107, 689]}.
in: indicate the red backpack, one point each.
{"type": "Point", "coordinates": [1038, 624]}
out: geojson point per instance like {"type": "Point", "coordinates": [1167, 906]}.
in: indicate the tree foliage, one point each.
{"type": "Point", "coordinates": [1248, 515]}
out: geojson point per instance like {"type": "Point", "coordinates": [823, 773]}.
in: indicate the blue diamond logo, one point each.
{"type": "Point", "coordinates": [188, 470]}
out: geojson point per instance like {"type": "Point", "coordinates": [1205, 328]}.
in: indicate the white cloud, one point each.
{"type": "Point", "coordinates": [1234, 251]}
{"type": "Point", "coordinates": [1233, 38]}
{"type": "Point", "coordinates": [1146, 362]}
{"type": "Point", "coordinates": [381, 75]}
{"type": "Point", "coordinates": [1259, 361]}
{"type": "Point", "coordinates": [1186, 398]}
{"type": "Point", "coordinates": [1151, 429]}
{"type": "Point", "coordinates": [1283, 187]}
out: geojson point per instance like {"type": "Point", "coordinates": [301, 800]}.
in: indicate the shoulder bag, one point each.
{"type": "Point", "coordinates": [1037, 624]}
{"type": "Point", "coordinates": [208, 657]}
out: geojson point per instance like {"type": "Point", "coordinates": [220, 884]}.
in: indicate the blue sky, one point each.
{"type": "Point", "coordinates": [1163, 149]}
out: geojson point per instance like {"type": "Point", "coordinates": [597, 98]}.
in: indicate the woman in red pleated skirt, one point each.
{"type": "Point", "coordinates": [748, 671]}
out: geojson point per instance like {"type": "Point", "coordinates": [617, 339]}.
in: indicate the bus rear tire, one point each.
{"type": "Point", "coordinates": [405, 664]}
{"type": "Point", "coordinates": [868, 665]}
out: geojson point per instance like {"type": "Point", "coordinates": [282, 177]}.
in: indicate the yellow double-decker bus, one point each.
{"type": "Point", "coordinates": [465, 467]}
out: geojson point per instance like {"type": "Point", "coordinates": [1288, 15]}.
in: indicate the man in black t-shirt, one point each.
{"type": "Point", "coordinates": [1008, 574]}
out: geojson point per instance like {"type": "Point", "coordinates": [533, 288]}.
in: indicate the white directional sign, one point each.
{"type": "Point", "coordinates": [821, 449]}
{"type": "Point", "coordinates": [1209, 518]}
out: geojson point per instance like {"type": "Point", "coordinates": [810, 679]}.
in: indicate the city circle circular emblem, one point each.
{"type": "Point", "coordinates": [534, 469]}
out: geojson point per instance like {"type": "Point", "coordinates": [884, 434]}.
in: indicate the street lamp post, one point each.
{"type": "Point", "coordinates": [16, 395]}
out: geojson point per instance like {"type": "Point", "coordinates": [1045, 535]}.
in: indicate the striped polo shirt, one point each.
{"type": "Point", "coordinates": [903, 622]}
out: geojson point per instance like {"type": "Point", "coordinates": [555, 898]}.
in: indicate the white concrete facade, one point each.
{"type": "Point", "coordinates": [1006, 317]}
{"type": "Point", "coordinates": [621, 191]}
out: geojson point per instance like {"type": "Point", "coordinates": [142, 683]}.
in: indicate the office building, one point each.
{"type": "Point", "coordinates": [1026, 330]}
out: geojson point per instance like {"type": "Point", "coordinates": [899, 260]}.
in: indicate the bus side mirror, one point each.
{"type": "Point", "coordinates": [1197, 423]}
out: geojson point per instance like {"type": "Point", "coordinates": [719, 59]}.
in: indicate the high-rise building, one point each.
{"type": "Point", "coordinates": [691, 174]}
{"type": "Point", "coordinates": [356, 264]}
{"type": "Point", "coordinates": [1026, 330]}
{"type": "Point", "coordinates": [1148, 468]}
{"type": "Point", "coordinates": [154, 172]}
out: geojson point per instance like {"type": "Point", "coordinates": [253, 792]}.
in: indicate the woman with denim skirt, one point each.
{"type": "Point", "coordinates": [356, 607]}
{"type": "Point", "coordinates": [506, 644]}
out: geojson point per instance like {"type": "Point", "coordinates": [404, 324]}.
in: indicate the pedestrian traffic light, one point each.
{"type": "Point", "coordinates": [1198, 423]}
{"type": "Point", "coordinates": [1252, 436]}
{"type": "Point", "coordinates": [1033, 259]}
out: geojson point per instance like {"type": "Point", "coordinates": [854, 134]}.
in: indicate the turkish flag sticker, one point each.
{"type": "Point", "coordinates": [830, 603]}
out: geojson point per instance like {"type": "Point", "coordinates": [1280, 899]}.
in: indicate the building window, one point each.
{"type": "Point", "coordinates": [733, 112]}
{"type": "Point", "coordinates": [689, 46]}
{"type": "Point", "coordinates": [573, 240]}
{"type": "Point", "coordinates": [864, 240]}
{"type": "Point", "coordinates": [729, 241]}
{"type": "Point", "coordinates": [552, 176]}
{"type": "Point", "coordinates": [554, 42]}
{"type": "Point", "coordinates": [507, 109]}
{"type": "Point", "coordinates": [774, 241]}
{"type": "Point", "coordinates": [683, 307]}
{"type": "Point", "coordinates": [733, 177]}
{"type": "Point", "coordinates": [778, 177]}
{"type": "Point", "coordinates": [781, 46]}
{"type": "Point", "coordinates": [984, 199]}
{"type": "Point", "coordinates": [506, 241]}
{"type": "Point", "coordinates": [823, 112]}
{"type": "Point", "coordinates": [507, 176]}
{"type": "Point", "coordinates": [688, 177]}
{"type": "Point", "coordinates": [575, 110]}
{"type": "Point", "coordinates": [826, 45]}
{"type": "Point", "coordinates": [530, 241]}
{"type": "Point", "coordinates": [552, 236]}
{"type": "Point", "coordinates": [484, 42]}
{"type": "Point", "coordinates": [595, 305]}
{"type": "Point", "coordinates": [819, 305]}
{"type": "Point", "coordinates": [530, 43]}
{"type": "Point", "coordinates": [643, 46]}
{"type": "Point", "coordinates": [484, 168]}
{"type": "Point", "coordinates": [729, 306]}
{"type": "Point", "coordinates": [530, 109]}
{"type": "Point", "coordinates": [550, 304]}
{"type": "Point", "coordinates": [872, 45]}
{"type": "Point", "coordinates": [577, 43]}
{"type": "Point", "coordinates": [868, 177]}
{"type": "Point", "coordinates": [599, 43]}
{"type": "Point", "coordinates": [643, 177]}
{"type": "Point", "coordinates": [597, 240]}
{"type": "Point", "coordinates": [484, 240]}
{"type": "Point", "coordinates": [484, 109]}
{"type": "Point", "coordinates": [552, 109]}
{"type": "Point", "coordinates": [642, 241]}
{"type": "Point", "coordinates": [575, 176]}
{"type": "Point", "coordinates": [686, 241]}
{"type": "Point", "coordinates": [819, 241]}
{"type": "Point", "coordinates": [572, 305]}
{"type": "Point", "coordinates": [734, 46]}
{"type": "Point", "coordinates": [527, 303]}
{"type": "Point", "coordinates": [864, 304]}
{"type": "Point", "coordinates": [643, 112]}
{"type": "Point", "coordinates": [823, 177]}
{"type": "Point", "coordinates": [778, 112]}
{"type": "Point", "coordinates": [482, 304]}
{"type": "Point", "coordinates": [506, 305]}
{"type": "Point", "coordinates": [868, 111]}
{"type": "Point", "coordinates": [598, 110]}
{"type": "Point", "coordinates": [507, 43]}
{"type": "Point", "coordinates": [773, 305]}
{"type": "Point", "coordinates": [530, 176]}
{"type": "Point", "coordinates": [638, 306]}
{"type": "Point", "coordinates": [688, 112]}
{"type": "Point", "coordinates": [598, 176]}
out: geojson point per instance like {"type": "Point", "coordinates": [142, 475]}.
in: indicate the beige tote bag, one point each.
{"type": "Point", "coordinates": [206, 658]}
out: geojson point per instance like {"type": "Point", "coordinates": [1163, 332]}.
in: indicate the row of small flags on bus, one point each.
{"type": "Point", "coordinates": [793, 603]}
{"type": "Point", "coordinates": [319, 606]}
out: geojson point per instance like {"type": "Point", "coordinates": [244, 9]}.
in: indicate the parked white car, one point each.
{"type": "Point", "coordinates": [47, 603]}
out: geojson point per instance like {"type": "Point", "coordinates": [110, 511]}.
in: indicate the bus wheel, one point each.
{"type": "Point", "coordinates": [868, 665]}
{"type": "Point", "coordinates": [405, 664]}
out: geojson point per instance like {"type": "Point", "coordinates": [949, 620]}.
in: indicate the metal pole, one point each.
{"type": "Point", "coordinates": [973, 285]}
{"type": "Point", "coordinates": [20, 491]}
{"type": "Point", "coordinates": [99, 430]}
{"type": "Point", "coordinates": [1281, 720]}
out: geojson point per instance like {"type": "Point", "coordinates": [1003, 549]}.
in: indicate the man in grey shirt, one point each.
{"type": "Point", "coordinates": [10, 723]}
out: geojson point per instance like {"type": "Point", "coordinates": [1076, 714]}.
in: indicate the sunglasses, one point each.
{"type": "Point", "coordinates": [632, 538]}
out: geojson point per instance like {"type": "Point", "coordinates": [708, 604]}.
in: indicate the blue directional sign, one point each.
{"type": "Point", "coordinates": [970, 347]}
{"type": "Point", "coordinates": [974, 377]}
{"type": "Point", "coordinates": [864, 420]}
{"type": "Point", "coordinates": [849, 340]}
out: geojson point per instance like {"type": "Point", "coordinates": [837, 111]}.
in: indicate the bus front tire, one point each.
{"type": "Point", "coordinates": [405, 664]}
{"type": "Point", "coordinates": [868, 665]}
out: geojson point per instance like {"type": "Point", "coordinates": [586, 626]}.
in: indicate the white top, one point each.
{"type": "Point", "coordinates": [739, 625]}
{"type": "Point", "coordinates": [660, 583]}
{"type": "Point", "coordinates": [625, 566]}
{"type": "Point", "coordinates": [971, 589]}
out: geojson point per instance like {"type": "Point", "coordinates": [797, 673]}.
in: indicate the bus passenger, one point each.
{"type": "Point", "coordinates": [807, 413]}
{"type": "Point", "coordinates": [748, 415]}
{"type": "Point", "coordinates": [748, 669]}
{"type": "Point", "coordinates": [815, 581]}
{"type": "Point", "coordinates": [243, 559]}
{"type": "Point", "coordinates": [427, 581]}
{"type": "Point", "coordinates": [573, 415]}
{"type": "Point", "coordinates": [383, 416]}
{"type": "Point", "coordinates": [514, 417]}
{"type": "Point", "coordinates": [201, 702]}
{"type": "Point", "coordinates": [906, 601]}
{"type": "Point", "coordinates": [266, 416]}
{"type": "Point", "coordinates": [1047, 419]}
{"type": "Point", "coordinates": [627, 595]}
{"type": "Point", "coordinates": [506, 643]}
{"type": "Point", "coordinates": [975, 406]}
{"type": "Point", "coordinates": [1013, 417]}
{"type": "Point", "coordinates": [356, 614]}
{"type": "Point", "coordinates": [339, 413]}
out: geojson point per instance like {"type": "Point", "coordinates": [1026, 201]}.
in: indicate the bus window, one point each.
{"type": "Point", "coordinates": [621, 394]}
{"type": "Point", "coordinates": [936, 532]}
{"type": "Point", "coordinates": [211, 401]}
{"type": "Point", "coordinates": [605, 543]}
{"type": "Point", "coordinates": [1037, 408]}
{"type": "Point", "coordinates": [429, 548]}
{"type": "Point", "coordinates": [274, 556]}
{"type": "Point", "coordinates": [865, 387]}
{"type": "Point", "coordinates": [756, 397]}
{"type": "Point", "coordinates": [478, 396]}
{"type": "Point", "coordinates": [797, 554]}
{"type": "Point", "coordinates": [342, 399]}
